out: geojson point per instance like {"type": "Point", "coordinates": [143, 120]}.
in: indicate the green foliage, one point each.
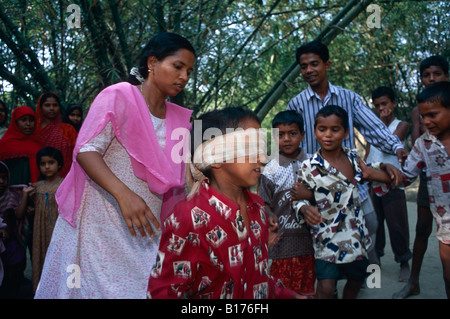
{"type": "Point", "coordinates": [243, 47]}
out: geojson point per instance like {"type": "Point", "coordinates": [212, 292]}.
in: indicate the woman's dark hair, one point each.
{"type": "Point", "coordinates": [333, 110]}
{"type": "Point", "coordinates": [69, 110]}
{"type": "Point", "coordinates": [315, 47]}
{"type": "Point", "coordinates": [222, 119]}
{"type": "Point", "coordinates": [160, 46]}
{"type": "Point", "coordinates": [289, 117]}
{"type": "Point", "coordinates": [50, 152]}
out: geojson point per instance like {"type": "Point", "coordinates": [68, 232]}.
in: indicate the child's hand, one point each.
{"type": "Point", "coordinates": [273, 221]}
{"type": "Point", "coordinates": [300, 191]}
{"type": "Point", "coordinates": [364, 168]}
{"type": "Point", "coordinates": [311, 215]}
{"type": "Point", "coordinates": [29, 190]}
{"type": "Point", "coordinates": [402, 154]}
{"type": "Point", "coordinates": [274, 237]}
{"type": "Point", "coordinates": [385, 113]}
{"type": "Point", "coordinates": [393, 172]}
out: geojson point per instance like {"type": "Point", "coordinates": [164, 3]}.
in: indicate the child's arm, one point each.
{"type": "Point", "coordinates": [266, 191]}
{"type": "Point", "coordinates": [26, 193]}
{"type": "Point", "coordinates": [414, 164]}
{"type": "Point", "coordinates": [303, 208]}
{"type": "Point", "coordinates": [386, 174]}
{"type": "Point", "coordinates": [311, 214]}
{"type": "Point", "coordinates": [300, 192]}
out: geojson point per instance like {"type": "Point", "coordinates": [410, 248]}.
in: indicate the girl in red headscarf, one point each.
{"type": "Point", "coordinates": [52, 131]}
{"type": "Point", "coordinates": [19, 145]}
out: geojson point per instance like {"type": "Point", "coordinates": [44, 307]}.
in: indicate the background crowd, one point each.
{"type": "Point", "coordinates": [59, 170]}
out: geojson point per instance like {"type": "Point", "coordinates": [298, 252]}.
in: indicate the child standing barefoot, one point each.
{"type": "Point", "coordinates": [341, 238]}
{"type": "Point", "coordinates": [50, 162]}
{"type": "Point", "coordinates": [431, 151]}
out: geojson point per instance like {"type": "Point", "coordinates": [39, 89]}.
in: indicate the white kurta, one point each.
{"type": "Point", "coordinates": [99, 258]}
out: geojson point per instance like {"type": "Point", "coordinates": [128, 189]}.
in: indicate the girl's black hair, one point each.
{"type": "Point", "coordinates": [69, 110]}
{"type": "Point", "coordinates": [50, 152]}
{"type": "Point", "coordinates": [333, 110]}
{"type": "Point", "coordinates": [160, 46]}
{"type": "Point", "coordinates": [222, 119]}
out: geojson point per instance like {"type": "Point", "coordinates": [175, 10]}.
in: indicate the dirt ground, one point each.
{"type": "Point", "coordinates": [431, 278]}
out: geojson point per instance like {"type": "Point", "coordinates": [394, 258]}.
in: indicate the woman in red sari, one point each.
{"type": "Point", "coordinates": [19, 145]}
{"type": "Point", "coordinates": [52, 131]}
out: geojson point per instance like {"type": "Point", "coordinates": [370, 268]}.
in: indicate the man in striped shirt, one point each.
{"type": "Point", "coordinates": [313, 58]}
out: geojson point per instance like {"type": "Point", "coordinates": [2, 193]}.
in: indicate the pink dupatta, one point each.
{"type": "Point", "coordinates": [124, 106]}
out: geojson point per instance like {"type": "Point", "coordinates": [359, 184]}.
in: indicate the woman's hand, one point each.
{"type": "Point", "coordinates": [133, 208]}
{"type": "Point", "coordinates": [135, 212]}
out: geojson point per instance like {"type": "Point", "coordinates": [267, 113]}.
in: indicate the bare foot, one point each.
{"type": "Point", "coordinates": [409, 289]}
{"type": "Point", "coordinates": [404, 272]}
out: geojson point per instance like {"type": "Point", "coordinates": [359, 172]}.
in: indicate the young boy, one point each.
{"type": "Point", "coordinates": [341, 239]}
{"type": "Point", "coordinates": [390, 207]}
{"type": "Point", "coordinates": [433, 69]}
{"type": "Point", "coordinates": [431, 150]}
{"type": "Point", "coordinates": [214, 244]}
{"type": "Point", "coordinates": [293, 255]}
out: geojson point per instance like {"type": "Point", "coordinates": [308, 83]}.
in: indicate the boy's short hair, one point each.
{"type": "Point", "coordinates": [289, 117]}
{"type": "Point", "coordinates": [383, 91]}
{"type": "Point", "coordinates": [435, 60]}
{"type": "Point", "coordinates": [330, 110]}
{"type": "Point", "coordinates": [436, 92]}
{"type": "Point", "coordinates": [315, 47]}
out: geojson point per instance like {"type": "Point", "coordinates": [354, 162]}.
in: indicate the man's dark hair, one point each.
{"type": "Point", "coordinates": [435, 60]}
{"type": "Point", "coordinates": [315, 47]}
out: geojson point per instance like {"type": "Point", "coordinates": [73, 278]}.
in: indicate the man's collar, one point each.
{"type": "Point", "coordinates": [331, 90]}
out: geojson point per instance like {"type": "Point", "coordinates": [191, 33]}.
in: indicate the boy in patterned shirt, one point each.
{"type": "Point", "coordinates": [340, 239]}
{"type": "Point", "coordinates": [431, 152]}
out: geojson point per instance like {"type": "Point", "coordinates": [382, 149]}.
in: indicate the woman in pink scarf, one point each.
{"type": "Point", "coordinates": [122, 183]}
